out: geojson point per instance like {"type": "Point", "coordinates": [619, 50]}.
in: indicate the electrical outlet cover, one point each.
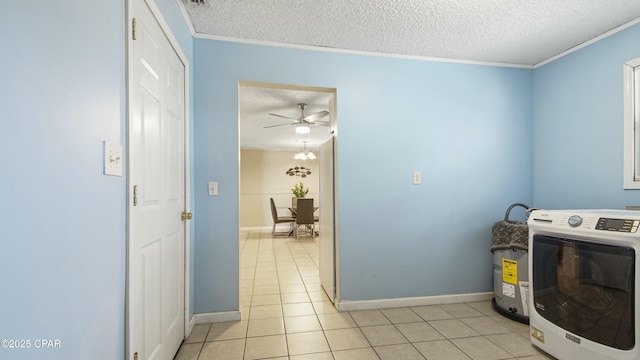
{"type": "Point", "coordinates": [416, 177]}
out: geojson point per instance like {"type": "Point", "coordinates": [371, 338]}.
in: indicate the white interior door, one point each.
{"type": "Point", "coordinates": [155, 292]}
{"type": "Point", "coordinates": [327, 218]}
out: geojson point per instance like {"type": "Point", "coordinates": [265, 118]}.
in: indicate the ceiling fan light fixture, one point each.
{"type": "Point", "coordinates": [302, 129]}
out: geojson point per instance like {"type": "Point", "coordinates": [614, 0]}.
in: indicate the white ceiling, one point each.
{"type": "Point", "coordinates": [519, 33]}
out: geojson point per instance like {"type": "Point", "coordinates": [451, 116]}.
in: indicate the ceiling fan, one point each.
{"type": "Point", "coordinates": [303, 121]}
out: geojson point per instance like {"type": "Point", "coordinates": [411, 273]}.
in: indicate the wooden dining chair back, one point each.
{"type": "Point", "coordinates": [279, 220]}
{"type": "Point", "coordinates": [304, 215]}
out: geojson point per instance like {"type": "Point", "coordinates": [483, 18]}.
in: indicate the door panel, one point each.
{"type": "Point", "coordinates": [173, 313]}
{"type": "Point", "coordinates": [155, 293]}
{"type": "Point", "coordinates": [326, 216]}
{"type": "Point", "coordinates": [152, 260]}
{"type": "Point", "coordinates": [150, 148]}
{"type": "Point", "coordinates": [175, 172]}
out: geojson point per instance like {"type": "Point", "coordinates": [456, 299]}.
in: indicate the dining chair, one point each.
{"type": "Point", "coordinates": [279, 220]}
{"type": "Point", "coordinates": [304, 216]}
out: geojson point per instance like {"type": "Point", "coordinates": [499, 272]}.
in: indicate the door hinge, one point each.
{"type": "Point", "coordinates": [133, 28]}
{"type": "Point", "coordinates": [135, 195]}
{"type": "Point", "coordinates": [186, 215]}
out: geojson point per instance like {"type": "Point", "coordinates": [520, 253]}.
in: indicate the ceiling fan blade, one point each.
{"type": "Point", "coordinates": [270, 126]}
{"type": "Point", "coordinates": [316, 116]}
{"type": "Point", "coordinates": [314, 123]}
{"type": "Point", "coordinates": [285, 117]}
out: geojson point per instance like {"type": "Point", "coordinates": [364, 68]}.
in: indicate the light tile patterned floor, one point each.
{"type": "Point", "coordinates": [287, 316]}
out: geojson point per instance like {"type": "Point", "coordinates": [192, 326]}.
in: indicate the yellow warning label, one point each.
{"type": "Point", "coordinates": [510, 271]}
{"type": "Point", "coordinates": [537, 334]}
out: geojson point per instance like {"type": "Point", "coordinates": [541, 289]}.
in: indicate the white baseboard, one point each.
{"type": "Point", "coordinates": [190, 325]}
{"type": "Point", "coordinates": [248, 228]}
{"type": "Point", "coordinates": [412, 301]}
{"type": "Point", "coordinates": [217, 317]}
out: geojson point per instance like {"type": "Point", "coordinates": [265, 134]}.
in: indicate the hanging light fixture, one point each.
{"type": "Point", "coordinates": [303, 133]}
{"type": "Point", "coordinates": [304, 154]}
{"type": "Point", "coordinates": [303, 129]}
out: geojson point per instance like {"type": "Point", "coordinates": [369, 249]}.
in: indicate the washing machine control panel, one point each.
{"type": "Point", "coordinates": [622, 225]}
{"type": "Point", "coordinates": [575, 220]}
{"type": "Point", "coordinates": [588, 222]}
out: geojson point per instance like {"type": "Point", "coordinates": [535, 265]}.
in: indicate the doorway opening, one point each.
{"type": "Point", "coordinates": [283, 269]}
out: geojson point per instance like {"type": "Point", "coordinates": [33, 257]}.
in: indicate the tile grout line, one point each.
{"type": "Point", "coordinates": [284, 323]}
{"type": "Point", "coordinates": [255, 270]}
{"type": "Point", "coordinates": [324, 333]}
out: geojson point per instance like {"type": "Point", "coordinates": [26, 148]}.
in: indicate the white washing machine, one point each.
{"type": "Point", "coordinates": [583, 277]}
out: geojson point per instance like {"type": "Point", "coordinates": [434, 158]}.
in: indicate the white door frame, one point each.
{"type": "Point", "coordinates": [189, 321]}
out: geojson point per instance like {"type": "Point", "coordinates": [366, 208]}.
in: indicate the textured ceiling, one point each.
{"type": "Point", "coordinates": [519, 33]}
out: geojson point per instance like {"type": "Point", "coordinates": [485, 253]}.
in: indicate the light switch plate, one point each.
{"type": "Point", "coordinates": [213, 188]}
{"type": "Point", "coordinates": [112, 159]}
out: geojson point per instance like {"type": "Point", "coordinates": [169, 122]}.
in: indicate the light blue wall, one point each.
{"type": "Point", "coordinates": [466, 128]}
{"type": "Point", "coordinates": [62, 258]}
{"type": "Point", "coordinates": [578, 119]}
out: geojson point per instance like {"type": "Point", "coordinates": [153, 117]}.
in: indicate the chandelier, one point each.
{"type": "Point", "coordinates": [304, 154]}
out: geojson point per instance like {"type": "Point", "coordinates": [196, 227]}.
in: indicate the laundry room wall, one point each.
{"type": "Point", "coordinates": [465, 127]}
{"type": "Point", "coordinates": [63, 243]}
{"type": "Point", "coordinates": [578, 119]}
{"type": "Point", "coordinates": [63, 256]}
